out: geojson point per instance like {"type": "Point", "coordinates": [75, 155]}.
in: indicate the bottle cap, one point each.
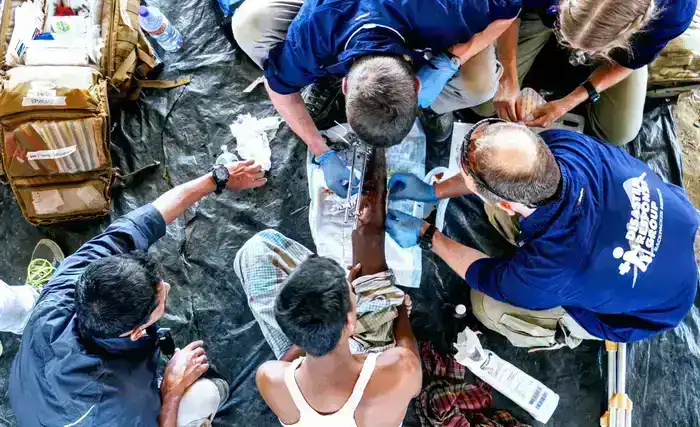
{"type": "Point", "coordinates": [461, 309]}
{"type": "Point", "coordinates": [143, 11]}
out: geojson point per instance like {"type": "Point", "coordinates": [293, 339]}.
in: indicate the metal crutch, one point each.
{"type": "Point", "coordinates": [619, 412]}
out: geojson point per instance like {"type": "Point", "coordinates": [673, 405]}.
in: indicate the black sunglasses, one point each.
{"type": "Point", "coordinates": [478, 127]}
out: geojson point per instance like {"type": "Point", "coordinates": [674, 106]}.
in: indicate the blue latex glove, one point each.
{"type": "Point", "coordinates": [433, 78]}
{"type": "Point", "coordinates": [406, 186]}
{"type": "Point", "coordinates": [403, 228]}
{"type": "Point", "coordinates": [335, 172]}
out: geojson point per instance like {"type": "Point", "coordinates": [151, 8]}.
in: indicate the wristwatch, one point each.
{"type": "Point", "coordinates": [454, 59]}
{"type": "Point", "coordinates": [426, 240]}
{"type": "Point", "coordinates": [593, 94]}
{"type": "Point", "coordinates": [220, 174]}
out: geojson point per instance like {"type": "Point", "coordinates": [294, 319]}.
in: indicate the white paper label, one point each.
{"type": "Point", "coordinates": [53, 101]}
{"type": "Point", "coordinates": [51, 154]}
{"type": "Point", "coordinates": [88, 195]}
{"type": "Point", "coordinates": [42, 85]}
{"type": "Point", "coordinates": [46, 202]}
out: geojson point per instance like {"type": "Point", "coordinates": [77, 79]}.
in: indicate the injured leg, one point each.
{"type": "Point", "coordinates": [377, 297]}
{"type": "Point", "coordinates": [369, 234]}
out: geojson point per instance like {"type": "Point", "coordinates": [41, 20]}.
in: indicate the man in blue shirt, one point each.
{"type": "Point", "coordinates": [90, 351]}
{"type": "Point", "coordinates": [605, 246]}
{"type": "Point", "coordinates": [373, 46]}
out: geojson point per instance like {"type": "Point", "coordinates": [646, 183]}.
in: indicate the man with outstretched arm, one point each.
{"type": "Point", "coordinates": [605, 247]}
{"type": "Point", "coordinates": [90, 351]}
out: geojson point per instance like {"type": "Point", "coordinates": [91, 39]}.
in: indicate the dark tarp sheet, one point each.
{"type": "Point", "coordinates": [183, 129]}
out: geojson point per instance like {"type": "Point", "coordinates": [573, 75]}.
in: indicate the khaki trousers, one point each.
{"type": "Point", "coordinates": [523, 327]}
{"type": "Point", "coordinates": [260, 25]}
{"type": "Point", "coordinates": [615, 118]}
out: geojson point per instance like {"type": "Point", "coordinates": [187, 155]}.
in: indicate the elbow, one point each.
{"type": "Point", "coordinates": [411, 365]}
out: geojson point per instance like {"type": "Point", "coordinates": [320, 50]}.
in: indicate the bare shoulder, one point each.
{"type": "Point", "coordinates": [400, 360]}
{"type": "Point", "coordinates": [399, 370]}
{"type": "Point", "coordinates": [396, 380]}
{"type": "Point", "coordinates": [270, 381]}
{"type": "Point", "coordinates": [270, 373]}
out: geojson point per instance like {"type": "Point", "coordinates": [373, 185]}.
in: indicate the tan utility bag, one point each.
{"type": "Point", "coordinates": [54, 120]}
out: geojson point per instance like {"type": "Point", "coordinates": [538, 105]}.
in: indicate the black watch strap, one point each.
{"type": "Point", "coordinates": [426, 240]}
{"type": "Point", "coordinates": [593, 94]}
{"type": "Point", "coordinates": [221, 175]}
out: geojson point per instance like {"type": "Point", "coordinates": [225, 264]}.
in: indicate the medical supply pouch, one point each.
{"type": "Point", "coordinates": [54, 126]}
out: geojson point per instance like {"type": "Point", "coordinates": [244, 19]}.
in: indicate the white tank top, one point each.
{"type": "Point", "coordinates": [345, 417]}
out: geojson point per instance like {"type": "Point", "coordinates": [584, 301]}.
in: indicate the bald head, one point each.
{"type": "Point", "coordinates": [516, 163]}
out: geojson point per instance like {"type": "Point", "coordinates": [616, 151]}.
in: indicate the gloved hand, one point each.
{"type": "Point", "coordinates": [403, 228]}
{"type": "Point", "coordinates": [406, 186]}
{"type": "Point", "coordinates": [433, 78]}
{"type": "Point", "coordinates": [335, 172]}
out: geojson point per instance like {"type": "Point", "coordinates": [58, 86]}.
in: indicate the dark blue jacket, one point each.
{"type": "Point", "coordinates": [616, 250]}
{"type": "Point", "coordinates": [58, 378]}
{"type": "Point", "coordinates": [674, 17]}
{"type": "Point", "coordinates": [327, 35]}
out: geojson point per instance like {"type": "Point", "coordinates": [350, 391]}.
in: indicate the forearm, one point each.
{"type": "Point", "coordinates": [174, 202]}
{"type": "Point", "coordinates": [456, 255]}
{"type": "Point", "coordinates": [293, 110]}
{"type": "Point", "coordinates": [292, 354]}
{"type": "Point", "coordinates": [507, 52]}
{"type": "Point", "coordinates": [480, 41]}
{"type": "Point", "coordinates": [168, 411]}
{"type": "Point", "coordinates": [403, 333]}
{"type": "Point", "coordinates": [604, 77]}
{"type": "Point", "coordinates": [452, 187]}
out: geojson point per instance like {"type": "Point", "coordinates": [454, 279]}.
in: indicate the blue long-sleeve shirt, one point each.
{"type": "Point", "coordinates": [328, 35]}
{"type": "Point", "coordinates": [616, 251]}
{"type": "Point", "coordinates": [58, 378]}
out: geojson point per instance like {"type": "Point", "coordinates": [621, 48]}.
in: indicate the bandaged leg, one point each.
{"type": "Point", "coordinates": [260, 25]}
{"type": "Point", "coordinates": [16, 304]}
{"type": "Point", "coordinates": [262, 265]}
{"type": "Point", "coordinates": [528, 328]}
{"type": "Point", "coordinates": [200, 403]}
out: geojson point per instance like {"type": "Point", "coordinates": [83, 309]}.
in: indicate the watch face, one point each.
{"type": "Point", "coordinates": [456, 62]}
{"type": "Point", "coordinates": [221, 174]}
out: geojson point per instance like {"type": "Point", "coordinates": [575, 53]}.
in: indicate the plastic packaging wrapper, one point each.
{"type": "Point", "coordinates": [184, 128]}
{"type": "Point", "coordinates": [253, 138]}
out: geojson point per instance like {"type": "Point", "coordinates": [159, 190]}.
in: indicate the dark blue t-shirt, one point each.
{"type": "Point", "coordinates": [616, 251]}
{"type": "Point", "coordinates": [673, 19]}
{"type": "Point", "coordinates": [327, 35]}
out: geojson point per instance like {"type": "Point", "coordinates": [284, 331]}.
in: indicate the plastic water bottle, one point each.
{"type": "Point", "coordinates": [157, 25]}
{"type": "Point", "coordinates": [226, 157]}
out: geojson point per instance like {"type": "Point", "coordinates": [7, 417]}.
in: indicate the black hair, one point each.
{"type": "Point", "coordinates": [313, 304]}
{"type": "Point", "coordinates": [116, 294]}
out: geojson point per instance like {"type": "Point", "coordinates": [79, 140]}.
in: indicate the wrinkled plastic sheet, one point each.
{"type": "Point", "coordinates": [183, 128]}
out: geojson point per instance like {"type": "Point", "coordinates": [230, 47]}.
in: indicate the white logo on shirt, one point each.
{"type": "Point", "coordinates": [644, 228]}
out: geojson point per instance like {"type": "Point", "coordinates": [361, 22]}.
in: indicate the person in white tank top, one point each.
{"type": "Point", "coordinates": [331, 386]}
{"type": "Point", "coordinates": [345, 417]}
{"type": "Point", "coordinates": [316, 310]}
